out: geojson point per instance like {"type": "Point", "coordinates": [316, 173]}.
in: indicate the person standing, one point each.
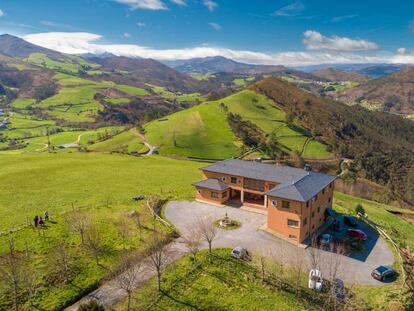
{"type": "Point", "coordinates": [36, 220]}
{"type": "Point", "coordinates": [46, 216]}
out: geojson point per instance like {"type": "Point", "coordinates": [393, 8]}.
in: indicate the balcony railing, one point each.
{"type": "Point", "coordinates": [254, 184]}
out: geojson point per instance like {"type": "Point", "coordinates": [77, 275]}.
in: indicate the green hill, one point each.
{"type": "Point", "coordinates": [203, 131]}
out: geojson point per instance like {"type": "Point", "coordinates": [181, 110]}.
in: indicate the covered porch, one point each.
{"type": "Point", "coordinates": [239, 198]}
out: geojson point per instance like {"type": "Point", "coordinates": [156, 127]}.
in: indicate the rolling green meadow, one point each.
{"type": "Point", "coordinates": [202, 131]}
{"type": "Point", "coordinates": [99, 186]}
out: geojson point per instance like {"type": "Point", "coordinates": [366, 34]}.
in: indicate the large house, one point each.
{"type": "Point", "coordinates": [296, 201]}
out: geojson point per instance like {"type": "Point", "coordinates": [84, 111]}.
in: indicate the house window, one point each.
{"type": "Point", "coordinates": [316, 197]}
{"type": "Point", "coordinates": [329, 199]}
{"type": "Point", "coordinates": [330, 185]}
{"type": "Point", "coordinates": [274, 202]}
{"type": "Point", "coordinates": [293, 223]}
{"type": "Point", "coordinates": [307, 204]}
{"type": "Point", "coordinates": [323, 191]}
{"type": "Point", "coordinates": [291, 236]}
{"type": "Point", "coordinates": [223, 178]}
{"type": "Point", "coordinates": [313, 214]}
{"type": "Point", "coordinates": [305, 221]}
{"type": "Point", "coordinates": [319, 209]}
{"type": "Point", "coordinates": [233, 180]}
{"type": "Point", "coordinates": [313, 227]}
{"type": "Point", "coordinates": [285, 204]}
{"type": "Point", "coordinates": [214, 195]}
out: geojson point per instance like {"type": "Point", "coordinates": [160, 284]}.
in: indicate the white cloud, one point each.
{"type": "Point", "coordinates": [79, 43]}
{"type": "Point", "coordinates": [342, 18]}
{"type": "Point", "coordinates": [211, 5]}
{"type": "Point", "coordinates": [215, 26]}
{"type": "Point", "coordinates": [1, 13]}
{"type": "Point", "coordinates": [127, 35]}
{"type": "Point", "coordinates": [179, 2]}
{"type": "Point", "coordinates": [314, 40]}
{"type": "Point", "coordinates": [292, 9]}
{"type": "Point", "coordinates": [401, 51]}
{"type": "Point", "coordinates": [141, 24]}
{"type": "Point", "coordinates": [143, 4]}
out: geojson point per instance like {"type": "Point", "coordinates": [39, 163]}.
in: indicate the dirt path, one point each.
{"type": "Point", "coordinates": [109, 294]}
{"type": "Point", "coordinates": [151, 148]}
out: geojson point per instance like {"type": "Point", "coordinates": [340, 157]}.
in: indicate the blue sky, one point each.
{"type": "Point", "coordinates": [260, 31]}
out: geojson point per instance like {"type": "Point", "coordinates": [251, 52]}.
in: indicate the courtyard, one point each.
{"type": "Point", "coordinates": [352, 269]}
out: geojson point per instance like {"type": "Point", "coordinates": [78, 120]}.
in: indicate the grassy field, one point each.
{"type": "Point", "coordinates": [22, 103]}
{"type": "Point", "coordinates": [72, 64]}
{"type": "Point", "coordinates": [203, 131]}
{"type": "Point", "coordinates": [220, 284]}
{"type": "Point", "coordinates": [98, 184]}
{"type": "Point", "coordinates": [124, 141]}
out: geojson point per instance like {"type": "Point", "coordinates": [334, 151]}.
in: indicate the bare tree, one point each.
{"type": "Point", "coordinates": [331, 267]}
{"type": "Point", "coordinates": [123, 227]}
{"type": "Point", "coordinates": [314, 253]}
{"type": "Point", "coordinates": [298, 265]}
{"type": "Point", "coordinates": [192, 241]}
{"type": "Point", "coordinates": [12, 271]}
{"type": "Point", "coordinates": [63, 262]}
{"type": "Point", "coordinates": [129, 270]}
{"type": "Point", "coordinates": [79, 222]}
{"type": "Point", "coordinates": [94, 242]}
{"type": "Point", "coordinates": [159, 256]}
{"type": "Point", "coordinates": [207, 230]}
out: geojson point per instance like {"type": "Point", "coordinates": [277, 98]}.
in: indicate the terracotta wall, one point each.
{"type": "Point", "coordinates": [239, 184]}
{"type": "Point", "coordinates": [277, 217]}
{"type": "Point", "coordinates": [204, 194]}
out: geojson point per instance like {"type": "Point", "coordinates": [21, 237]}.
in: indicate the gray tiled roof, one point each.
{"type": "Point", "coordinates": [212, 184]}
{"type": "Point", "coordinates": [303, 189]}
{"type": "Point", "coordinates": [294, 183]}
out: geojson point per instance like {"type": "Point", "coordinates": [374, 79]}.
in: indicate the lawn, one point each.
{"type": "Point", "coordinates": [101, 186]}
{"type": "Point", "coordinates": [126, 141]}
{"type": "Point", "coordinates": [222, 284]}
{"type": "Point", "coordinates": [22, 103]}
{"type": "Point", "coordinates": [42, 60]}
{"type": "Point", "coordinates": [203, 131]}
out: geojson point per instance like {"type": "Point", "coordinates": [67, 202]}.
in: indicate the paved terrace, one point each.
{"type": "Point", "coordinates": [184, 214]}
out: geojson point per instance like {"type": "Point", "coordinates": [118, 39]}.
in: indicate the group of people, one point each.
{"type": "Point", "coordinates": [38, 220]}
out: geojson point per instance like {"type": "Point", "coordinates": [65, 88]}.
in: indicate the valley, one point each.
{"type": "Point", "coordinates": [103, 142]}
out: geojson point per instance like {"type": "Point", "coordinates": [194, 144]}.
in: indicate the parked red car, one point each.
{"type": "Point", "coordinates": [356, 233]}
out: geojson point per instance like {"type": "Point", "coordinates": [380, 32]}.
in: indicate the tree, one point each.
{"type": "Point", "coordinates": [123, 227]}
{"type": "Point", "coordinates": [192, 241]}
{"type": "Point", "coordinates": [159, 256]}
{"type": "Point", "coordinates": [207, 230]}
{"type": "Point", "coordinates": [12, 272]}
{"type": "Point", "coordinates": [129, 270]}
{"type": "Point", "coordinates": [63, 262]}
{"type": "Point", "coordinates": [94, 242]}
{"type": "Point", "coordinates": [79, 222]}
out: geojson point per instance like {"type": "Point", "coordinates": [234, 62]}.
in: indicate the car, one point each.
{"type": "Point", "coordinates": [358, 234]}
{"type": "Point", "coordinates": [326, 239]}
{"type": "Point", "coordinates": [339, 289]}
{"type": "Point", "coordinates": [382, 273]}
{"type": "Point", "coordinates": [239, 252]}
{"type": "Point", "coordinates": [350, 221]}
{"type": "Point", "coordinates": [315, 280]}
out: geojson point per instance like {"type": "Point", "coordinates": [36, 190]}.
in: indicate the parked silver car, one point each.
{"type": "Point", "coordinates": [239, 252]}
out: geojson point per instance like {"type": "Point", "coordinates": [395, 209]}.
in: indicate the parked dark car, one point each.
{"type": "Point", "coordinates": [339, 289]}
{"type": "Point", "coordinates": [350, 221]}
{"type": "Point", "coordinates": [383, 273]}
{"type": "Point", "coordinates": [358, 234]}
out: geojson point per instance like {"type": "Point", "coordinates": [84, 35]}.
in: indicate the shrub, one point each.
{"type": "Point", "coordinates": [359, 209]}
{"type": "Point", "coordinates": [91, 306]}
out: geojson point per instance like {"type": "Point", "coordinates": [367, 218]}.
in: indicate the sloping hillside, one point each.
{"type": "Point", "coordinates": [336, 75]}
{"type": "Point", "coordinates": [203, 131]}
{"type": "Point", "coordinates": [393, 93]}
{"type": "Point", "coordinates": [380, 143]}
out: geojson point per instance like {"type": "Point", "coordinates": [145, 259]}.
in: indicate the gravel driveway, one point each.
{"type": "Point", "coordinates": [183, 214]}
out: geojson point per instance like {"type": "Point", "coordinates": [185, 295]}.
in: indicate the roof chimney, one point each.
{"type": "Point", "coordinates": [307, 167]}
